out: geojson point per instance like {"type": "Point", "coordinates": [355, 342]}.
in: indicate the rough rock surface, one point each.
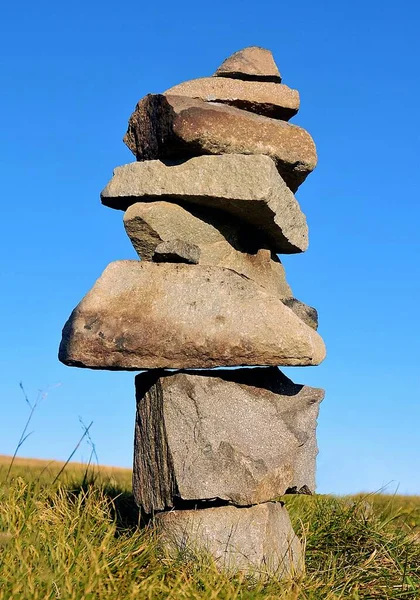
{"type": "Point", "coordinates": [177, 250]}
{"type": "Point", "coordinates": [273, 100]}
{"type": "Point", "coordinates": [308, 314]}
{"type": "Point", "coordinates": [145, 315]}
{"type": "Point", "coordinates": [244, 436]}
{"type": "Point", "coordinates": [176, 127]}
{"type": "Point", "coordinates": [257, 540]}
{"type": "Point", "coordinates": [165, 232]}
{"type": "Point", "coordinates": [252, 63]}
{"type": "Point", "coordinates": [246, 187]}
{"type": "Point", "coordinates": [150, 224]}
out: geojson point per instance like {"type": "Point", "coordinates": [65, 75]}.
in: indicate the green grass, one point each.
{"type": "Point", "coordinates": [78, 539]}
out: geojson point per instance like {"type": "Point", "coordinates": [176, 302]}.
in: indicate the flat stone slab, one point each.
{"type": "Point", "coordinates": [245, 436]}
{"type": "Point", "coordinates": [273, 100]}
{"type": "Point", "coordinates": [248, 188]}
{"type": "Point", "coordinates": [252, 63]}
{"type": "Point", "coordinates": [176, 127]}
{"type": "Point", "coordinates": [257, 541]}
{"type": "Point", "coordinates": [145, 315]}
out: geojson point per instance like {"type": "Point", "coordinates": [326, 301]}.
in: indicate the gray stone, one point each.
{"type": "Point", "coordinates": [151, 224]}
{"type": "Point", "coordinates": [145, 315]}
{"type": "Point", "coordinates": [177, 127]}
{"type": "Point", "coordinates": [178, 251]}
{"type": "Point", "coordinates": [248, 188]}
{"type": "Point", "coordinates": [257, 541]}
{"type": "Point", "coordinates": [252, 63]}
{"type": "Point", "coordinates": [245, 436]}
{"type": "Point", "coordinates": [148, 224]}
{"type": "Point", "coordinates": [273, 100]}
{"type": "Point", "coordinates": [308, 314]}
{"type": "Point", "coordinates": [158, 225]}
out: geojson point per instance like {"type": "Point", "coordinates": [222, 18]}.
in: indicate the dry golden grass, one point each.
{"type": "Point", "coordinates": [45, 471]}
{"type": "Point", "coordinates": [40, 462]}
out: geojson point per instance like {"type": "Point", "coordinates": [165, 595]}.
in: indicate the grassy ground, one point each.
{"type": "Point", "coordinates": [77, 539]}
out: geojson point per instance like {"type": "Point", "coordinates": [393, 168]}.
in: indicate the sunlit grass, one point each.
{"type": "Point", "coordinates": [78, 539]}
{"type": "Point", "coordinates": [45, 471]}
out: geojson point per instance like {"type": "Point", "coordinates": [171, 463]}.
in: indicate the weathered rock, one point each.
{"type": "Point", "coordinates": [273, 100]}
{"type": "Point", "coordinates": [177, 250]}
{"type": "Point", "coordinates": [145, 315]}
{"type": "Point", "coordinates": [245, 436]}
{"type": "Point", "coordinates": [258, 541]}
{"type": "Point", "coordinates": [150, 224]}
{"type": "Point", "coordinates": [247, 187]}
{"type": "Point", "coordinates": [156, 230]}
{"type": "Point", "coordinates": [176, 127]}
{"type": "Point", "coordinates": [308, 314]}
{"type": "Point", "coordinates": [252, 63]}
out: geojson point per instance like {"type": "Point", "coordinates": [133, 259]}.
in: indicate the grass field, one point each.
{"type": "Point", "coordinates": [77, 538]}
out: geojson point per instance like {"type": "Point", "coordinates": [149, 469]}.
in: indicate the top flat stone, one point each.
{"type": "Point", "coordinates": [269, 99]}
{"type": "Point", "coordinates": [252, 63]}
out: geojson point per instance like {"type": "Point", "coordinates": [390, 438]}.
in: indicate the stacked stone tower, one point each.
{"type": "Point", "coordinates": [209, 205]}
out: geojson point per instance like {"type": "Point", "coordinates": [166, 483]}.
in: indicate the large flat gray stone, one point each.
{"type": "Point", "coordinates": [245, 436]}
{"type": "Point", "coordinates": [248, 188]}
{"type": "Point", "coordinates": [145, 315]}
{"type": "Point", "coordinates": [176, 127]}
{"type": "Point", "coordinates": [256, 541]}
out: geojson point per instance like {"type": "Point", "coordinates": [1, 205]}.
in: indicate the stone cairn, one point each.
{"type": "Point", "coordinates": [208, 206]}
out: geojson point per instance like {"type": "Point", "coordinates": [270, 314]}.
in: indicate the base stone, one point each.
{"type": "Point", "coordinates": [258, 540]}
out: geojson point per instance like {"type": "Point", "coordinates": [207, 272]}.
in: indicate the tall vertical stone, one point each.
{"type": "Point", "coordinates": [243, 436]}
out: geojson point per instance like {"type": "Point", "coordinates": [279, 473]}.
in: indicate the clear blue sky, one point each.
{"type": "Point", "coordinates": [71, 73]}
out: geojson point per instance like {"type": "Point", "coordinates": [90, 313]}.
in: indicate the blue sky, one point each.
{"type": "Point", "coordinates": [71, 75]}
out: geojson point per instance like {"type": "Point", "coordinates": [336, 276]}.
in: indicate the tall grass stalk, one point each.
{"type": "Point", "coordinates": [24, 435]}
